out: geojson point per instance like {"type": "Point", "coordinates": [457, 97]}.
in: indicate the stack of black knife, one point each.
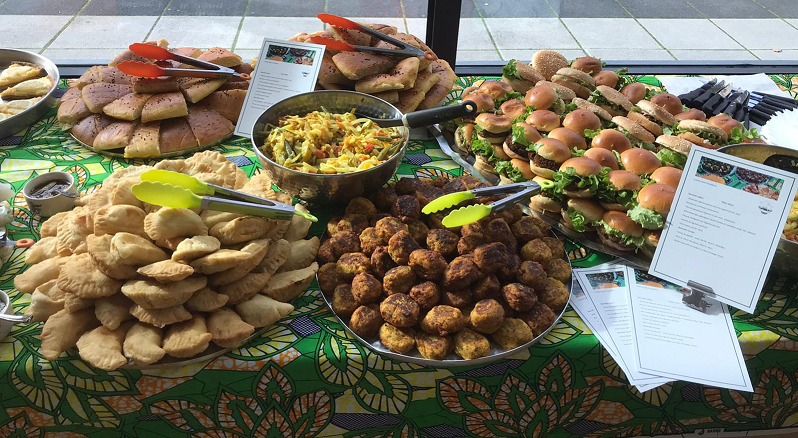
{"type": "Point", "coordinates": [715, 98]}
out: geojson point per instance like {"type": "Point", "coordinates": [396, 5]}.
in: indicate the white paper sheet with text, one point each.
{"type": "Point", "coordinates": [285, 69]}
{"type": "Point", "coordinates": [673, 340]}
{"type": "Point", "coordinates": [724, 225]}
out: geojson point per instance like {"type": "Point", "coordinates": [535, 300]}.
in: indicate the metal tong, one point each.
{"type": "Point", "coordinates": [404, 50]}
{"type": "Point", "coordinates": [151, 70]}
{"type": "Point", "coordinates": [518, 192]}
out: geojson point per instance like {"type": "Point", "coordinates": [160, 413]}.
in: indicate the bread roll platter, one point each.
{"type": "Point", "coordinates": [27, 86]}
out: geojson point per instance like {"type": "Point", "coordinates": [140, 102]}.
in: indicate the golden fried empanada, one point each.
{"type": "Point", "coordinates": [81, 277]}
{"type": "Point", "coordinates": [277, 255]}
{"type": "Point", "coordinates": [241, 229]}
{"type": "Point", "coordinates": [45, 248]}
{"type": "Point", "coordinates": [113, 311]}
{"type": "Point", "coordinates": [102, 347]}
{"type": "Point", "coordinates": [50, 226]}
{"type": "Point", "coordinates": [97, 200]}
{"type": "Point", "coordinates": [260, 185]}
{"type": "Point", "coordinates": [227, 328]}
{"type": "Point", "coordinates": [188, 338]}
{"type": "Point", "coordinates": [212, 162]}
{"type": "Point", "coordinates": [261, 311]}
{"type": "Point", "coordinates": [121, 195]}
{"type": "Point", "coordinates": [74, 303]}
{"type": "Point", "coordinates": [285, 286]}
{"type": "Point", "coordinates": [152, 294]}
{"type": "Point", "coordinates": [219, 261]}
{"type": "Point", "coordinates": [277, 229]}
{"type": "Point", "coordinates": [170, 243]}
{"type": "Point", "coordinates": [143, 344]}
{"type": "Point", "coordinates": [303, 252]}
{"type": "Point", "coordinates": [160, 317]}
{"type": "Point", "coordinates": [166, 271]}
{"type": "Point", "coordinates": [113, 219]}
{"type": "Point", "coordinates": [135, 250]}
{"type": "Point", "coordinates": [212, 217]}
{"type": "Point", "coordinates": [72, 232]}
{"type": "Point", "coordinates": [195, 247]}
{"type": "Point", "coordinates": [245, 288]}
{"type": "Point", "coordinates": [38, 274]}
{"type": "Point", "coordinates": [206, 300]}
{"type": "Point", "coordinates": [257, 250]}
{"type": "Point", "coordinates": [174, 222]}
{"type": "Point", "coordinates": [45, 301]}
{"type": "Point", "coordinates": [100, 251]}
{"type": "Point", "coordinates": [62, 330]}
{"type": "Point", "coordinates": [241, 178]}
{"type": "Point", "coordinates": [299, 226]}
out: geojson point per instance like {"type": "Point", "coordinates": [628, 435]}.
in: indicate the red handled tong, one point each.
{"type": "Point", "coordinates": [404, 50]}
{"type": "Point", "coordinates": [150, 70]}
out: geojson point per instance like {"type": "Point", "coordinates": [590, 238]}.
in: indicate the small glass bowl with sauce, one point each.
{"type": "Point", "coordinates": [50, 193]}
{"type": "Point", "coordinates": [5, 307]}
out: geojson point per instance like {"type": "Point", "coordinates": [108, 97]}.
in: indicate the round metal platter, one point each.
{"type": "Point", "coordinates": [452, 360]}
{"type": "Point", "coordinates": [120, 153]}
{"type": "Point", "coordinates": [33, 114]}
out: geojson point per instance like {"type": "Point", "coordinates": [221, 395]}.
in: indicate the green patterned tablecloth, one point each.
{"type": "Point", "coordinates": [305, 377]}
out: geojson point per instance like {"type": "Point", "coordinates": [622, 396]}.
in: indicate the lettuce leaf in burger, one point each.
{"type": "Point", "coordinates": [653, 205]}
{"type": "Point", "coordinates": [618, 189]}
{"type": "Point", "coordinates": [578, 177]}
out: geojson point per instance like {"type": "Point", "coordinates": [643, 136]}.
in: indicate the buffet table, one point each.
{"type": "Point", "coordinates": [306, 377]}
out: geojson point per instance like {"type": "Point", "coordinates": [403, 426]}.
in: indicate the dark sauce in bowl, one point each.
{"type": "Point", "coordinates": [50, 189]}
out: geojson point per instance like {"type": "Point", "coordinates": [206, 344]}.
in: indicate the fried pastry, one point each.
{"type": "Point", "coordinates": [170, 243]}
{"type": "Point", "coordinates": [245, 288]}
{"type": "Point", "coordinates": [102, 347]}
{"type": "Point", "coordinates": [154, 295]}
{"type": "Point", "coordinates": [121, 194]}
{"type": "Point", "coordinates": [45, 301]}
{"type": "Point", "coordinates": [227, 328]}
{"type": "Point", "coordinates": [276, 229]}
{"type": "Point", "coordinates": [74, 303]}
{"type": "Point", "coordinates": [261, 311]}
{"type": "Point", "coordinates": [299, 226]}
{"type": "Point", "coordinates": [219, 261]}
{"type": "Point", "coordinates": [72, 232]}
{"type": "Point", "coordinates": [206, 300]}
{"type": "Point", "coordinates": [241, 229]}
{"type": "Point", "coordinates": [45, 248]}
{"type": "Point", "coordinates": [286, 286]}
{"type": "Point", "coordinates": [195, 247]}
{"type": "Point", "coordinates": [160, 317]}
{"type": "Point", "coordinates": [20, 71]}
{"type": "Point", "coordinates": [80, 277]}
{"type": "Point", "coordinates": [97, 200]}
{"type": "Point", "coordinates": [166, 271]}
{"type": "Point", "coordinates": [27, 89]}
{"type": "Point", "coordinates": [113, 219]}
{"type": "Point", "coordinates": [241, 178]}
{"type": "Point", "coordinates": [212, 162]}
{"type": "Point", "coordinates": [143, 344]}
{"type": "Point", "coordinates": [257, 250]}
{"type": "Point", "coordinates": [211, 217]}
{"type": "Point", "coordinates": [62, 331]}
{"type": "Point", "coordinates": [173, 222]}
{"type": "Point", "coordinates": [260, 185]}
{"type": "Point", "coordinates": [303, 252]}
{"type": "Point", "coordinates": [132, 249]}
{"type": "Point", "coordinates": [37, 275]}
{"type": "Point", "coordinates": [188, 338]}
{"type": "Point", "coordinates": [113, 311]}
{"type": "Point", "coordinates": [99, 249]}
{"type": "Point", "coordinates": [50, 226]}
{"type": "Point", "coordinates": [277, 255]}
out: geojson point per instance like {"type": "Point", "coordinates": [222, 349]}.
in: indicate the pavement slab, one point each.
{"type": "Point", "coordinates": [47, 26]}
{"type": "Point", "coordinates": [526, 33]}
{"type": "Point", "coordinates": [703, 34]}
{"type": "Point", "coordinates": [105, 32]}
{"type": "Point", "coordinates": [605, 33]}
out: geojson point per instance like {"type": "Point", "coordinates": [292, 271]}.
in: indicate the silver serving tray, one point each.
{"type": "Point", "coordinates": [14, 124]}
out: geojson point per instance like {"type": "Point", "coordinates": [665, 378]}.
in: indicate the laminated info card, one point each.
{"type": "Point", "coordinates": [725, 222]}
{"type": "Point", "coordinates": [285, 69]}
{"type": "Point", "coordinates": [673, 340]}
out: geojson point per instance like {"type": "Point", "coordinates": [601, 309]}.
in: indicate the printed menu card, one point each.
{"type": "Point", "coordinates": [724, 225]}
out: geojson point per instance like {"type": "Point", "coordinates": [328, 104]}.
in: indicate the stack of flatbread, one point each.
{"type": "Point", "coordinates": [127, 281]}
{"type": "Point", "coordinates": [408, 83]}
{"type": "Point", "coordinates": [145, 117]}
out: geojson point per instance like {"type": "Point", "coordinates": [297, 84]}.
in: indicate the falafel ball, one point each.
{"type": "Point", "coordinates": [460, 273]}
{"type": "Point", "coordinates": [559, 269]}
{"type": "Point", "coordinates": [398, 280]}
{"type": "Point", "coordinates": [498, 231]}
{"type": "Point", "coordinates": [399, 340]}
{"type": "Point", "coordinates": [407, 186]}
{"type": "Point", "coordinates": [519, 296]}
{"type": "Point", "coordinates": [509, 272]}
{"type": "Point", "coordinates": [332, 225]}
{"type": "Point", "coordinates": [373, 221]}
{"type": "Point", "coordinates": [384, 198]}
{"type": "Point", "coordinates": [456, 298]}
{"type": "Point", "coordinates": [362, 206]}
{"type": "Point", "coordinates": [400, 246]}
{"type": "Point", "coordinates": [543, 225]}
{"type": "Point", "coordinates": [486, 287]}
{"type": "Point", "coordinates": [344, 242]}
{"type": "Point", "coordinates": [389, 226]}
{"type": "Point", "coordinates": [370, 240]}
{"type": "Point", "coordinates": [418, 230]}
{"type": "Point", "coordinates": [491, 257]}
{"type": "Point", "coordinates": [442, 320]}
{"type": "Point", "coordinates": [487, 316]}
{"type": "Point", "coordinates": [343, 302]}
{"type": "Point", "coordinates": [366, 321]}
{"type": "Point", "coordinates": [512, 333]}
{"type": "Point", "coordinates": [399, 310]}
{"type": "Point", "coordinates": [426, 193]}
{"type": "Point", "coordinates": [326, 253]}
{"type": "Point", "coordinates": [406, 205]}
{"type": "Point", "coordinates": [469, 344]}
{"type": "Point", "coordinates": [444, 242]}
{"type": "Point", "coordinates": [381, 261]}
{"type": "Point", "coordinates": [328, 277]}
{"type": "Point", "coordinates": [366, 289]}
{"type": "Point", "coordinates": [351, 264]}
{"type": "Point", "coordinates": [467, 244]}
{"type": "Point", "coordinates": [554, 294]}
{"type": "Point", "coordinates": [432, 346]}
{"type": "Point", "coordinates": [455, 185]}
{"type": "Point", "coordinates": [556, 246]}
{"type": "Point", "coordinates": [426, 294]}
{"type": "Point", "coordinates": [435, 222]}
{"type": "Point", "coordinates": [539, 319]}
{"type": "Point", "coordinates": [531, 274]}
{"type": "Point", "coordinates": [536, 251]}
{"type": "Point", "coordinates": [427, 264]}
{"type": "Point", "coordinates": [526, 229]}
{"type": "Point", "coordinates": [510, 214]}
{"type": "Point", "coordinates": [472, 228]}
{"type": "Point", "coordinates": [353, 223]}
